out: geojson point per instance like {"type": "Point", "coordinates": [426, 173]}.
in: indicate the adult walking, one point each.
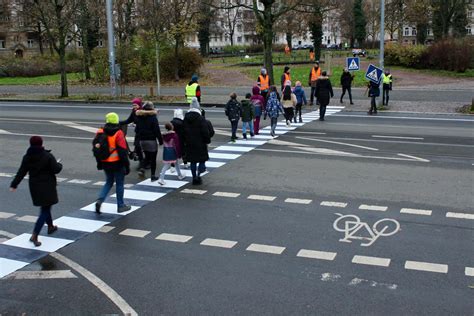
{"type": "Point", "coordinates": [233, 111]}
{"type": "Point", "coordinates": [289, 103]}
{"type": "Point", "coordinates": [273, 109]}
{"type": "Point", "coordinates": [263, 82]}
{"type": "Point", "coordinates": [132, 118]}
{"type": "Point", "coordinates": [387, 86]}
{"type": "Point", "coordinates": [114, 162]}
{"type": "Point", "coordinates": [346, 84]}
{"type": "Point", "coordinates": [286, 76]}
{"type": "Point", "coordinates": [196, 139]}
{"type": "Point", "coordinates": [258, 102]}
{"type": "Point", "coordinates": [314, 75]}
{"type": "Point", "coordinates": [193, 89]}
{"type": "Point", "coordinates": [149, 132]}
{"type": "Point", "coordinates": [374, 92]}
{"type": "Point", "coordinates": [42, 168]}
{"type": "Point", "coordinates": [324, 93]}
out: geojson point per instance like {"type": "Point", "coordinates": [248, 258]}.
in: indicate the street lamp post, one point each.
{"type": "Point", "coordinates": [382, 33]}
{"type": "Point", "coordinates": [111, 45]}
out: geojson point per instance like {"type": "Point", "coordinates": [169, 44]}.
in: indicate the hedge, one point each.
{"type": "Point", "coordinates": [37, 66]}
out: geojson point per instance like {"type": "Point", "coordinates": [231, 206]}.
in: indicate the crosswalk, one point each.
{"type": "Point", "coordinates": [18, 252]}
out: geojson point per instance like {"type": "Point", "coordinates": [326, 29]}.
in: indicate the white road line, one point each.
{"type": "Point", "coordinates": [373, 208]}
{"type": "Point", "coordinates": [193, 191]}
{"type": "Point", "coordinates": [214, 164]}
{"type": "Point", "coordinates": [413, 157]}
{"type": "Point", "coordinates": [8, 266]}
{"type": "Point", "coordinates": [250, 142]}
{"type": "Point", "coordinates": [416, 211]}
{"type": "Point", "coordinates": [49, 244]}
{"type": "Point", "coordinates": [110, 208]}
{"type": "Point", "coordinates": [314, 254]}
{"type": "Point", "coordinates": [101, 183]}
{"type": "Point", "coordinates": [174, 237]}
{"type": "Point", "coordinates": [333, 204]}
{"type": "Point", "coordinates": [221, 243]}
{"type": "Point", "coordinates": [105, 229]}
{"type": "Point", "coordinates": [134, 232]}
{"type": "Point", "coordinates": [426, 266]}
{"type": "Point", "coordinates": [398, 137]}
{"type": "Point", "coordinates": [469, 271]}
{"type": "Point", "coordinates": [2, 131]}
{"type": "Point", "coordinates": [227, 194]}
{"type": "Point", "coordinates": [234, 148]}
{"type": "Point", "coordinates": [325, 151]}
{"type": "Point", "coordinates": [33, 275]}
{"type": "Point", "coordinates": [338, 143]}
{"type": "Point", "coordinates": [141, 195]}
{"type": "Point", "coordinates": [284, 143]}
{"type": "Point", "coordinates": [76, 126]}
{"type": "Point", "coordinates": [266, 249]}
{"type": "Point", "coordinates": [27, 218]}
{"type": "Point", "coordinates": [330, 277]}
{"type": "Point", "coordinates": [7, 175]}
{"type": "Point", "coordinates": [409, 118]}
{"type": "Point", "coordinates": [298, 201]}
{"type": "Point", "coordinates": [6, 215]}
{"type": "Point", "coordinates": [79, 181]}
{"type": "Point", "coordinates": [261, 197]}
{"type": "Point", "coordinates": [460, 215]}
{"type": "Point", "coordinates": [80, 224]}
{"type": "Point", "coordinates": [60, 179]}
{"type": "Point", "coordinates": [371, 261]}
{"type": "Point", "coordinates": [223, 156]}
{"type": "Point", "coordinates": [173, 184]}
{"type": "Point", "coordinates": [128, 185]}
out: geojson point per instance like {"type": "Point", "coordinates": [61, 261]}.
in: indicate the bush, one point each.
{"type": "Point", "coordinates": [189, 63]}
{"type": "Point", "coordinates": [255, 48]}
{"type": "Point", "coordinates": [236, 49]}
{"type": "Point", "coordinates": [36, 66]}
{"type": "Point", "coordinates": [409, 56]}
{"type": "Point", "coordinates": [451, 54]}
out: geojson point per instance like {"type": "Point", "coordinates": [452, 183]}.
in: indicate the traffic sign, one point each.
{"type": "Point", "coordinates": [353, 63]}
{"type": "Point", "coordinates": [374, 74]}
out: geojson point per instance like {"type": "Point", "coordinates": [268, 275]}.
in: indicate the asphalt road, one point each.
{"type": "Point", "coordinates": [409, 169]}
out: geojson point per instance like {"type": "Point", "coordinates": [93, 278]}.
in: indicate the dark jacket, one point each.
{"type": "Point", "coordinates": [147, 126]}
{"type": "Point", "coordinates": [324, 91]}
{"type": "Point", "coordinates": [374, 89]}
{"type": "Point", "coordinates": [233, 110]}
{"type": "Point", "coordinates": [346, 79]}
{"type": "Point", "coordinates": [196, 137]}
{"type": "Point", "coordinates": [122, 149]}
{"type": "Point", "coordinates": [300, 95]}
{"type": "Point", "coordinates": [42, 168]}
{"type": "Point", "coordinates": [248, 111]}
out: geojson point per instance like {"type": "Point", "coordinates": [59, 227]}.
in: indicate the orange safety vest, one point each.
{"type": "Point", "coordinates": [264, 82]}
{"type": "Point", "coordinates": [112, 140]}
{"type": "Point", "coordinates": [315, 74]}
{"type": "Point", "coordinates": [287, 77]}
{"type": "Point", "coordinates": [311, 56]}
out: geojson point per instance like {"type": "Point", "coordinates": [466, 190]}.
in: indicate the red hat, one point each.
{"type": "Point", "coordinates": [36, 141]}
{"type": "Point", "coordinates": [137, 101]}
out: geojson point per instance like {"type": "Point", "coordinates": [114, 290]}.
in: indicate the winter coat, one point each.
{"type": "Point", "coordinates": [171, 147]}
{"type": "Point", "coordinates": [248, 111]}
{"type": "Point", "coordinates": [374, 89]}
{"type": "Point", "coordinates": [324, 91]}
{"type": "Point", "coordinates": [289, 103]}
{"type": "Point", "coordinates": [273, 106]}
{"type": "Point", "coordinates": [196, 137]}
{"type": "Point", "coordinates": [122, 149]}
{"type": "Point", "coordinates": [346, 79]}
{"type": "Point", "coordinates": [42, 168]}
{"type": "Point", "coordinates": [300, 95]}
{"type": "Point", "coordinates": [179, 130]}
{"type": "Point", "coordinates": [233, 110]}
{"type": "Point", "coordinates": [147, 126]}
{"type": "Point", "coordinates": [258, 101]}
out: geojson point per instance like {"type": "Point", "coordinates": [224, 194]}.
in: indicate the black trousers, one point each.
{"type": "Point", "coordinates": [289, 113]}
{"type": "Point", "coordinates": [373, 104]}
{"type": "Point", "coordinates": [385, 94]}
{"type": "Point", "coordinates": [234, 124]}
{"type": "Point", "coordinates": [348, 89]}
{"type": "Point", "coordinates": [150, 157]}
{"type": "Point", "coordinates": [298, 111]}
{"type": "Point", "coordinates": [322, 111]}
{"type": "Point", "coordinates": [313, 92]}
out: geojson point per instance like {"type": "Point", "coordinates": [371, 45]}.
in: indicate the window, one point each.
{"type": "Point", "coordinates": [407, 31]}
{"type": "Point", "coordinates": [469, 30]}
{"type": "Point", "coordinates": [79, 43]}
{"type": "Point", "coordinates": [31, 43]}
{"type": "Point", "coordinates": [2, 43]}
{"type": "Point", "coordinates": [413, 31]}
{"type": "Point", "coordinates": [239, 39]}
{"type": "Point", "coordinates": [100, 43]}
{"type": "Point", "coordinates": [239, 28]}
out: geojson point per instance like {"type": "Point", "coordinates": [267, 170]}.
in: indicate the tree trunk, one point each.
{"type": "Point", "coordinates": [157, 56]}
{"type": "Point", "coordinates": [40, 38]}
{"type": "Point", "coordinates": [62, 66]}
{"type": "Point", "coordinates": [289, 39]}
{"type": "Point", "coordinates": [268, 43]}
{"type": "Point", "coordinates": [86, 52]}
{"type": "Point", "coordinates": [176, 59]}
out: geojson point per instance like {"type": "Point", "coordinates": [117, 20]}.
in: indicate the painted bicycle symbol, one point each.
{"type": "Point", "coordinates": [351, 224]}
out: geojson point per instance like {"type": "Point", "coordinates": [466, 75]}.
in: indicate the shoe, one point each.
{"type": "Point", "coordinates": [352, 103]}
{"type": "Point", "coordinates": [310, 104]}
{"type": "Point", "coordinates": [181, 177]}
{"type": "Point", "coordinates": [153, 178]}
{"type": "Point", "coordinates": [370, 112]}
{"type": "Point", "coordinates": [34, 240]}
{"type": "Point", "coordinates": [301, 120]}
{"type": "Point", "coordinates": [252, 135]}
{"type": "Point", "coordinates": [341, 101]}
{"type": "Point", "coordinates": [321, 119]}
{"type": "Point", "coordinates": [98, 204]}
{"type": "Point", "coordinates": [52, 229]}
{"type": "Point", "coordinates": [124, 208]}
{"type": "Point", "coordinates": [287, 123]}
{"type": "Point", "coordinates": [244, 136]}
{"type": "Point", "coordinates": [195, 181]}
{"type": "Point", "coordinates": [199, 180]}
{"type": "Point", "coordinates": [161, 182]}
{"type": "Point", "coordinates": [375, 112]}
{"type": "Point", "coordinates": [141, 172]}
{"type": "Point", "coordinates": [172, 169]}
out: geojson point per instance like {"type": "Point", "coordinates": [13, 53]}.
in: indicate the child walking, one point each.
{"type": "Point", "coordinates": [273, 109]}
{"type": "Point", "coordinates": [171, 152]}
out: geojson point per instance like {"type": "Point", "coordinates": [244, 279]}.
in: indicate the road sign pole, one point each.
{"type": "Point", "coordinates": [382, 33]}
{"type": "Point", "coordinates": [111, 45]}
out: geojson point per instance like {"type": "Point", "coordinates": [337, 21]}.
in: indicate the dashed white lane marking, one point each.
{"type": "Point", "coordinates": [128, 185]}
{"type": "Point", "coordinates": [172, 184]}
{"type": "Point", "coordinates": [314, 254]}
{"type": "Point", "coordinates": [49, 244]}
{"type": "Point", "coordinates": [60, 179]}
{"type": "Point", "coordinates": [373, 208]}
{"type": "Point", "coordinates": [6, 215]}
{"type": "Point", "coordinates": [80, 224]}
{"type": "Point", "coordinates": [7, 266]}
{"type": "Point", "coordinates": [214, 164]}
{"type": "Point", "coordinates": [174, 237]}
{"type": "Point", "coordinates": [298, 201]}
{"type": "Point", "coordinates": [469, 271]}
{"type": "Point", "coordinates": [426, 266]}
{"type": "Point", "coordinates": [134, 232]}
{"type": "Point", "coordinates": [397, 137]}
{"type": "Point", "coordinates": [193, 191]}
{"type": "Point", "coordinates": [460, 215]}
{"type": "Point", "coordinates": [416, 211]}
{"type": "Point", "coordinates": [32, 275]}
{"type": "Point", "coordinates": [330, 277]}
{"type": "Point", "coordinates": [226, 194]}
{"type": "Point", "coordinates": [110, 208]}
{"type": "Point", "coordinates": [101, 183]}
{"type": "Point", "coordinates": [261, 197]}
{"type": "Point", "coordinates": [372, 261]}
{"type": "Point", "coordinates": [79, 181]}
{"type": "Point", "coordinates": [249, 142]}
{"type": "Point", "coordinates": [357, 281]}
{"type": "Point", "coordinates": [338, 143]}
{"type": "Point", "coordinates": [27, 218]}
{"type": "Point", "coordinates": [7, 175]}
{"type": "Point", "coordinates": [223, 156]}
{"type": "Point", "coordinates": [266, 249]}
{"type": "Point", "coordinates": [235, 148]}
{"type": "Point", "coordinates": [141, 195]}
{"type": "Point", "coordinates": [413, 157]}
{"type": "Point", "coordinates": [105, 229]}
{"type": "Point", "coordinates": [218, 243]}
{"type": "Point", "coordinates": [333, 204]}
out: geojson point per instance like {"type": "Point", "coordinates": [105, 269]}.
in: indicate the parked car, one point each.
{"type": "Point", "coordinates": [359, 52]}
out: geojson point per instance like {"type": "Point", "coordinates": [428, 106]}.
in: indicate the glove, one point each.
{"type": "Point", "coordinates": [99, 166]}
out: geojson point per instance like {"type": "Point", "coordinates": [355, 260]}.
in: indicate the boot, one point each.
{"type": "Point", "coordinates": [301, 120]}
{"type": "Point", "coordinates": [34, 240]}
{"type": "Point", "coordinates": [244, 135]}
{"type": "Point", "coordinates": [52, 229]}
{"type": "Point", "coordinates": [341, 101]}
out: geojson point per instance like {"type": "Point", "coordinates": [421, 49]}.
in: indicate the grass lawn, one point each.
{"type": "Point", "coordinates": [41, 80]}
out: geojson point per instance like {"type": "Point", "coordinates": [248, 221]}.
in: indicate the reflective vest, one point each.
{"type": "Point", "coordinates": [191, 91]}
{"type": "Point", "coordinates": [315, 74]}
{"type": "Point", "coordinates": [114, 156]}
{"type": "Point", "coordinates": [264, 82]}
{"type": "Point", "coordinates": [311, 56]}
{"type": "Point", "coordinates": [287, 77]}
{"type": "Point", "coordinates": [387, 79]}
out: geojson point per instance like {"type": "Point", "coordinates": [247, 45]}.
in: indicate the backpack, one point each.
{"type": "Point", "coordinates": [100, 146]}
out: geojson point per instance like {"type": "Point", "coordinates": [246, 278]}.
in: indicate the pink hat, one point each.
{"type": "Point", "coordinates": [137, 101]}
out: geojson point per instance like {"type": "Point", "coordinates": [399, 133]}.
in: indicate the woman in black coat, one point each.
{"type": "Point", "coordinates": [323, 93]}
{"type": "Point", "coordinates": [196, 139]}
{"type": "Point", "coordinates": [42, 168]}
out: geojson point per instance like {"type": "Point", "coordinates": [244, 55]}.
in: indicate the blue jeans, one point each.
{"type": "Point", "coordinates": [45, 216]}
{"type": "Point", "coordinates": [244, 127]}
{"type": "Point", "coordinates": [111, 176]}
{"type": "Point", "coordinates": [273, 122]}
{"type": "Point", "coordinates": [200, 169]}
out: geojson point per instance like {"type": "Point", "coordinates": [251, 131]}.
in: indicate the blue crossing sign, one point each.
{"type": "Point", "coordinates": [374, 74]}
{"type": "Point", "coordinates": [353, 63]}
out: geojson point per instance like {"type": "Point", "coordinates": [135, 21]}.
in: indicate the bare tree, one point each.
{"type": "Point", "coordinates": [232, 16]}
{"type": "Point", "coordinates": [347, 21]}
{"type": "Point", "coordinates": [372, 13]}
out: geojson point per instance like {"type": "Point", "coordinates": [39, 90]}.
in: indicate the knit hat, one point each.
{"type": "Point", "coordinates": [194, 104]}
{"type": "Point", "coordinates": [263, 71]}
{"type": "Point", "coordinates": [286, 68]}
{"type": "Point", "coordinates": [112, 118]}
{"type": "Point", "coordinates": [178, 113]}
{"type": "Point", "coordinates": [148, 105]}
{"type": "Point", "coordinates": [137, 101]}
{"type": "Point", "coordinates": [194, 77]}
{"type": "Point", "coordinates": [36, 141]}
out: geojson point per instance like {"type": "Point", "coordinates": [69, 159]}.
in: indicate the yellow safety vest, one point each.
{"type": "Point", "coordinates": [191, 91]}
{"type": "Point", "coordinates": [387, 79]}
